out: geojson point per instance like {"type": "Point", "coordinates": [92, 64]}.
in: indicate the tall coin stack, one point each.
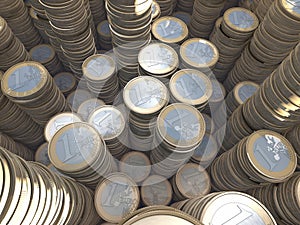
{"type": "Point", "coordinates": [98, 10]}
{"type": "Point", "coordinates": [130, 25]}
{"type": "Point", "coordinates": [32, 194]}
{"type": "Point", "coordinates": [185, 6]}
{"type": "Point", "coordinates": [272, 41]}
{"type": "Point", "coordinates": [262, 8]}
{"type": "Point", "coordinates": [179, 131]}
{"type": "Point", "coordinates": [12, 50]}
{"type": "Point", "coordinates": [261, 158]}
{"type": "Point", "coordinates": [293, 135]}
{"type": "Point", "coordinates": [205, 13]}
{"type": "Point", "coordinates": [16, 14]}
{"type": "Point", "coordinates": [230, 35]}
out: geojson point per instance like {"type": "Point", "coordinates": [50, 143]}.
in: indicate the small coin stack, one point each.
{"type": "Point", "coordinates": [32, 194]}
{"type": "Point", "coordinates": [199, 54]}
{"type": "Point", "coordinates": [185, 6]}
{"type": "Point", "coordinates": [158, 60]}
{"type": "Point", "coordinates": [46, 55]}
{"type": "Point", "coordinates": [283, 200]}
{"type": "Point", "coordinates": [156, 13]}
{"type": "Point", "coordinates": [190, 181]}
{"type": "Point", "coordinates": [116, 197]}
{"type": "Point", "coordinates": [41, 154]}
{"type": "Point", "coordinates": [104, 35]}
{"type": "Point", "coordinates": [66, 82]}
{"type": "Point", "coordinates": [32, 88]}
{"type": "Point", "coordinates": [249, 4]}
{"type": "Point", "coordinates": [262, 8]}
{"type": "Point", "coordinates": [11, 49]}
{"type": "Point", "coordinates": [230, 35]}
{"type": "Point", "coordinates": [179, 131]}
{"type": "Point", "coordinates": [272, 41]}
{"type": "Point", "coordinates": [204, 15]}
{"type": "Point", "coordinates": [77, 97]}
{"type": "Point", "coordinates": [166, 7]}
{"type": "Point", "coordinates": [16, 147]}
{"type": "Point", "coordinates": [156, 190]}
{"type": "Point", "coordinates": [145, 97]}
{"type": "Point", "coordinates": [98, 10]}
{"type": "Point", "coordinates": [263, 157]}
{"type": "Point", "coordinates": [102, 80]}
{"type": "Point", "coordinates": [16, 14]}
{"type": "Point", "coordinates": [227, 208]}
{"type": "Point", "coordinates": [293, 135]}
{"type": "Point", "coordinates": [130, 25]}
{"type": "Point", "coordinates": [87, 107]}
{"type": "Point", "coordinates": [191, 87]}
{"type": "Point", "coordinates": [184, 16]}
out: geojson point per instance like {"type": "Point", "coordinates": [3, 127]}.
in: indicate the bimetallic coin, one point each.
{"type": "Point", "coordinates": [42, 53]}
{"type": "Point", "coordinates": [87, 107]}
{"type": "Point", "coordinates": [103, 29]}
{"type": "Point", "coordinates": [292, 6]}
{"type": "Point", "coordinates": [155, 10]}
{"type": "Point", "coordinates": [65, 81]}
{"type": "Point", "coordinates": [244, 90]}
{"type": "Point", "coordinates": [41, 154]}
{"type": "Point", "coordinates": [77, 97]}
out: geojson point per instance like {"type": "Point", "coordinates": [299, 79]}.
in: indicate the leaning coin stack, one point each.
{"type": "Point", "coordinates": [261, 158]}
{"type": "Point", "coordinates": [158, 60]}
{"type": "Point", "coordinates": [130, 25]}
{"type": "Point", "coordinates": [179, 131]}
{"type": "Point", "coordinates": [227, 208]}
{"type": "Point", "coordinates": [98, 10]}
{"type": "Point", "coordinates": [191, 87]}
{"type": "Point", "coordinates": [185, 6]}
{"type": "Point", "coordinates": [32, 88]}
{"type": "Point", "coordinates": [66, 82]}
{"type": "Point", "coordinates": [104, 35]}
{"type": "Point", "coordinates": [262, 9]}
{"type": "Point", "coordinates": [283, 200]}
{"type": "Point", "coordinates": [15, 147]}
{"type": "Point", "coordinates": [230, 35]}
{"type": "Point", "coordinates": [204, 15]}
{"type": "Point", "coordinates": [293, 136]}
{"type": "Point", "coordinates": [16, 14]}
{"type": "Point", "coordinates": [86, 108]}
{"type": "Point", "coordinates": [166, 7]}
{"type": "Point", "coordinates": [145, 97]}
{"type": "Point", "coordinates": [11, 49]}
{"type": "Point", "coordinates": [272, 41]}
{"type": "Point", "coordinates": [32, 194]}
{"type": "Point", "coordinates": [100, 73]}
{"type": "Point", "coordinates": [78, 150]}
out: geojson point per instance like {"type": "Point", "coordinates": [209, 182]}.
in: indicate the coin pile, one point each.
{"type": "Point", "coordinates": [16, 14]}
{"type": "Point", "coordinates": [293, 136]}
{"type": "Point", "coordinates": [272, 41]}
{"type": "Point", "coordinates": [166, 7]}
{"type": "Point", "coordinates": [262, 8]}
{"type": "Point", "coordinates": [98, 10]}
{"type": "Point", "coordinates": [179, 131]}
{"type": "Point", "coordinates": [191, 87]}
{"type": "Point", "coordinates": [185, 6]}
{"type": "Point", "coordinates": [283, 200]}
{"type": "Point", "coordinates": [156, 190]}
{"type": "Point", "coordinates": [199, 54]}
{"type": "Point", "coordinates": [204, 15]}
{"type": "Point", "coordinates": [263, 157]}
{"type": "Point", "coordinates": [227, 208]}
{"type": "Point", "coordinates": [32, 194]}
{"type": "Point", "coordinates": [130, 25]}
{"type": "Point", "coordinates": [77, 97]}
{"type": "Point", "coordinates": [158, 60]}
{"type": "Point", "coordinates": [100, 73]}
{"type": "Point", "coordinates": [46, 55]}
{"type": "Point", "coordinates": [11, 49]}
{"type": "Point", "coordinates": [41, 154]}
{"type": "Point", "coordinates": [230, 35]}
{"type": "Point", "coordinates": [32, 88]}
{"type": "Point", "coordinates": [190, 181]}
{"type": "Point", "coordinates": [184, 16]}
{"type": "Point", "coordinates": [104, 35]}
{"type": "Point", "coordinates": [156, 13]}
{"type": "Point", "coordinates": [87, 107]}
{"type": "Point", "coordinates": [16, 147]}
{"type": "Point", "coordinates": [145, 97]}
{"type": "Point", "coordinates": [116, 197]}
{"type": "Point", "coordinates": [66, 82]}
{"type": "Point", "coordinates": [249, 4]}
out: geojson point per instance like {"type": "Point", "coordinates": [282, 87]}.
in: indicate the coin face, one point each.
{"type": "Point", "coordinates": [41, 154]}
{"type": "Point", "coordinates": [155, 9]}
{"type": "Point", "coordinates": [244, 90]}
{"type": "Point", "coordinates": [87, 107]}
{"type": "Point", "coordinates": [65, 81]}
{"type": "Point", "coordinates": [292, 6]}
{"type": "Point", "coordinates": [42, 53]}
{"type": "Point", "coordinates": [103, 28]}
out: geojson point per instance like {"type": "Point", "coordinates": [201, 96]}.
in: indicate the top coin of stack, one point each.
{"type": "Point", "coordinates": [66, 82]}
{"type": "Point", "coordinates": [156, 13]}
{"type": "Point", "coordinates": [104, 35]}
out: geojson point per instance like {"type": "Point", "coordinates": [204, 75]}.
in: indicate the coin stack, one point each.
{"type": "Point", "coordinates": [199, 54]}
{"type": "Point", "coordinates": [156, 190]}
{"type": "Point", "coordinates": [249, 4]}
{"type": "Point", "coordinates": [78, 150]}
{"type": "Point", "coordinates": [145, 97]}
{"type": "Point", "coordinates": [72, 24]}
{"type": "Point", "coordinates": [41, 154]}
{"type": "Point", "coordinates": [263, 157]}
{"type": "Point", "coordinates": [130, 25]}
{"type": "Point", "coordinates": [38, 23]}
{"type": "Point", "coordinates": [98, 10]}
{"type": "Point", "coordinates": [16, 14]}
{"type": "Point", "coordinates": [32, 194]}
{"type": "Point", "coordinates": [32, 88]}
{"type": "Point", "coordinates": [156, 13]}
{"type": "Point", "coordinates": [282, 200]}
{"type": "Point", "coordinates": [15, 147]}
{"type": "Point", "coordinates": [46, 55]}
{"type": "Point", "coordinates": [66, 82]}
{"type": "Point", "coordinates": [230, 35]}
{"type": "Point", "coordinates": [184, 16]}
{"type": "Point", "coordinates": [116, 197]}
{"type": "Point", "coordinates": [87, 107]}
{"type": "Point", "coordinates": [12, 50]}
{"type": "Point", "coordinates": [227, 208]}
{"type": "Point", "coordinates": [102, 80]}
{"type": "Point", "coordinates": [205, 13]}
{"type": "Point", "coordinates": [77, 97]}
{"type": "Point", "coordinates": [262, 8]}
{"type": "Point", "coordinates": [272, 41]}
{"type": "Point", "coordinates": [191, 87]}
{"type": "Point", "coordinates": [179, 131]}
{"type": "Point", "coordinates": [110, 123]}
{"type": "Point", "coordinates": [158, 60]}
{"type": "Point", "coordinates": [185, 6]}
{"type": "Point", "coordinates": [190, 181]}
{"type": "Point", "coordinates": [293, 135]}
{"type": "Point", "coordinates": [104, 35]}
{"type": "Point", "coordinates": [240, 93]}
{"type": "Point", "coordinates": [166, 7]}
